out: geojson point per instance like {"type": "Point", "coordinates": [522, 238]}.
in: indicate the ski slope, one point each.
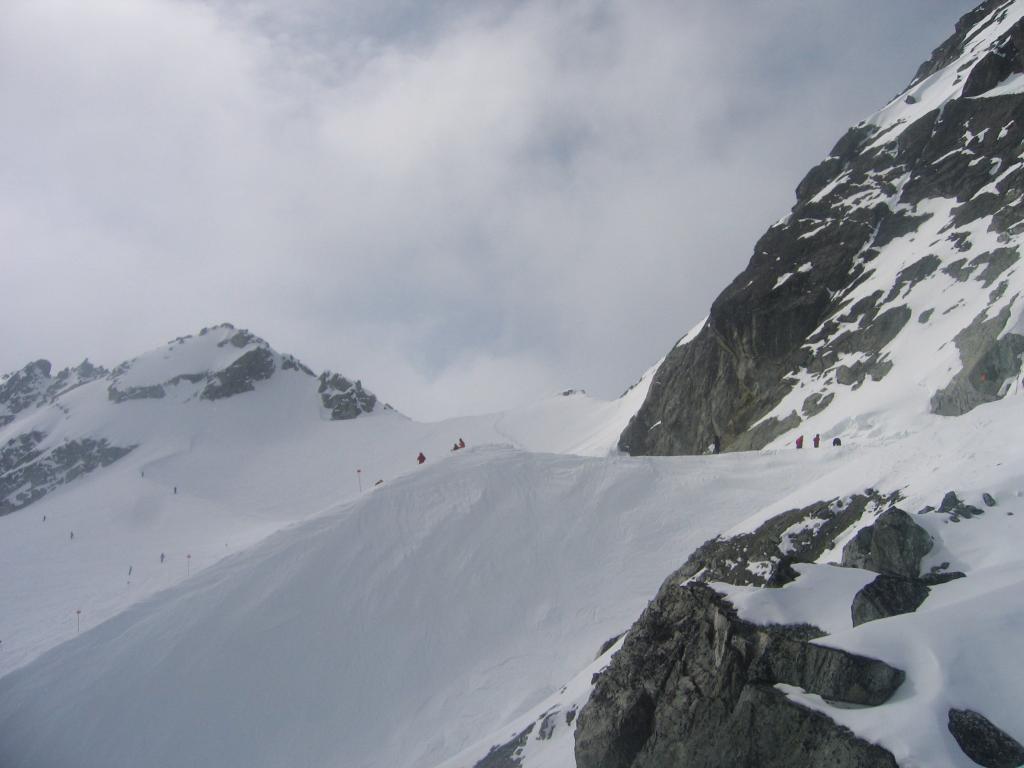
{"type": "Point", "coordinates": [393, 630]}
{"type": "Point", "coordinates": [210, 478]}
{"type": "Point", "coordinates": [959, 649]}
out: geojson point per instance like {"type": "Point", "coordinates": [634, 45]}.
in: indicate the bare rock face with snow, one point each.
{"type": "Point", "coordinates": [983, 742]}
{"type": "Point", "coordinates": [887, 596]}
{"type": "Point", "coordinates": [765, 557]}
{"type": "Point", "coordinates": [904, 239]}
{"type": "Point", "coordinates": [693, 686]}
{"type": "Point", "coordinates": [216, 364]}
{"type": "Point", "coordinates": [343, 398]}
{"type": "Point", "coordinates": [894, 545]}
{"type": "Point", "coordinates": [33, 386]}
{"type": "Point", "coordinates": [27, 473]}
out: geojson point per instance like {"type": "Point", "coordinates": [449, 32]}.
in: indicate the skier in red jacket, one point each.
{"type": "Point", "coordinates": [421, 458]}
{"type": "Point", "coordinates": [800, 442]}
{"type": "Point", "coordinates": [817, 440]}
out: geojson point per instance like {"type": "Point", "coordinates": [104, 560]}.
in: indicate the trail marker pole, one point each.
{"type": "Point", "coordinates": [359, 475]}
{"type": "Point", "coordinates": [78, 621]}
{"type": "Point", "coordinates": [188, 564]}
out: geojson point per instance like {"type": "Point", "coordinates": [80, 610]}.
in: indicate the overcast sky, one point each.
{"type": "Point", "coordinates": [467, 204]}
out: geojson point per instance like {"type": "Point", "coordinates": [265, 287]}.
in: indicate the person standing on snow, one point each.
{"type": "Point", "coordinates": [716, 444]}
{"type": "Point", "coordinates": [817, 440]}
{"type": "Point", "coordinates": [421, 458]}
{"type": "Point", "coordinates": [800, 442]}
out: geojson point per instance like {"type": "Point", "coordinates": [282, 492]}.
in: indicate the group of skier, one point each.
{"type": "Point", "coordinates": [816, 441]}
{"type": "Point", "coordinates": [458, 446]}
{"type": "Point", "coordinates": [716, 442]}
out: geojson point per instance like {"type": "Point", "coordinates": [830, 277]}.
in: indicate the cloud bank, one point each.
{"type": "Point", "coordinates": [467, 205]}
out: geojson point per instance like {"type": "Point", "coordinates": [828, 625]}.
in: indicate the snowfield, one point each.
{"type": "Point", "coordinates": [430, 619]}
{"type": "Point", "coordinates": [208, 479]}
{"type": "Point", "coordinates": [393, 630]}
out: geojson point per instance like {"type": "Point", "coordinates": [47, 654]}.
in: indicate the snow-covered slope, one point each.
{"type": "Point", "coordinates": [958, 649]}
{"type": "Point", "coordinates": [391, 631]}
{"type": "Point", "coordinates": [194, 477]}
{"type": "Point", "coordinates": [465, 613]}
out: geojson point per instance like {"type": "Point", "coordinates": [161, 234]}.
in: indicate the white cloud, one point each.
{"type": "Point", "coordinates": [459, 205]}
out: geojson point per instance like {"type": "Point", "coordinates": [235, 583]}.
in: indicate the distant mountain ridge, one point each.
{"type": "Point", "coordinates": [217, 363]}
{"type": "Point", "coordinates": [893, 286]}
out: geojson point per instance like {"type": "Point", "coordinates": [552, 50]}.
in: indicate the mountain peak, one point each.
{"type": "Point", "coordinates": [891, 289]}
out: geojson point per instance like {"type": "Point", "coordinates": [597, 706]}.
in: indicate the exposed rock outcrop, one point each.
{"type": "Point", "coordinates": [343, 398]}
{"type": "Point", "coordinates": [983, 742]}
{"type": "Point", "coordinates": [894, 545]}
{"type": "Point", "coordinates": [33, 386]}
{"type": "Point", "coordinates": [28, 473]}
{"type": "Point", "coordinates": [888, 596]}
{"type": "Point", "coordinates": [241, 376]}
{"type": "Point", "coordinates": [509, 754]}
{"type": "Point", "coordinates": [693, 686]}
{"type": "Point", "coordinates": [957, 510]}
{"type": "Point", "coordinates": [116, 395]}
{"type": "Point", "coordinates": [765, 557]}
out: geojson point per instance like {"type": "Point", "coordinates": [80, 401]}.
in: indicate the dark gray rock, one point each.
{"type": "Point", "coordinates": [988, 499]}
{"type": "Point", "coordinates": [936, 577]}
{"type": "Point", "coordinates": [887, 596]}
{"type": "Point", "coordinates": [116, 395]}
{"type": "Point", "coordinates": [763, 558]}
{"type": "Point", "coordinates": [988, 359]}
{"type": "Point", "coordinates": [956, 509]}
{"type": "Point", "coordinates": [23, 389]}
{"type": "Point", "coordinates": [509, 754]}
{"type": "Point", "coordinates": [28, 472]}
{"type": "Point", "coordinates": [241, 376]}
{"type": "Point", "coordinates": [983, 742]}
{"type": "Point", "coordinates": [692, 686]}
{"type": "Point", "coordinates": [343, 398]}
{"type": "Point", "coordinates": [894, 544]}
{"type": "Point", "coordinates": [289, 362]}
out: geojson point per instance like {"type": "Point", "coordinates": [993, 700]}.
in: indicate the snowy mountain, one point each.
{"type": "Point", "coordinates": [892, 288]}
{"type": "Point", "coordinates": [251, 596]}
{"type": "Point", "coordinates": [194, 450]}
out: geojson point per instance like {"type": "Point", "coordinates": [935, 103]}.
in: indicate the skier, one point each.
{"type": "Point", "coordinates": [129, 571]}
{"type": "Point", "coordinates": [44, 518]}
{"type": "Point", "coordinates": [161, 558]}
{"type": "Point", "coordinates": [72, 536]}
{"type": "Point", "coordinates": [455, 447]}
{"type": "Point", "coordinates": [175, 490]}
{"type": "Point", "coordinates": [421, 458]}
{"type": "Point", "coordinates": [716, 445]}
{"type": "Point", "coordinates": [817, 440]}
{"type": "Point", "coordinates": [836, 442]}
{"type": "Point", "coordinates": [462, 443]}
{"type": "Point", "coordinates": [800, 442]}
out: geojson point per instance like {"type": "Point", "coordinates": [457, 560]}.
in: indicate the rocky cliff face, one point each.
{"type": "Point", "coordinates": [696, 685]}
{"type": "Point", "coordinates": [892, 284]}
